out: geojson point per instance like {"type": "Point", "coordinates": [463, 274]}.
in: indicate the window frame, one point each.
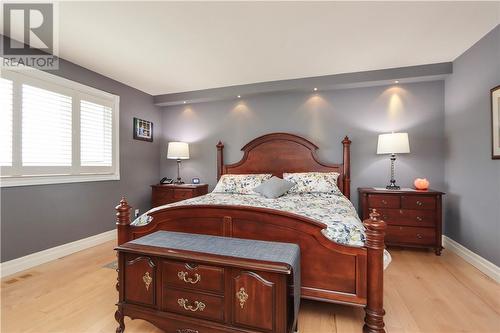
{"type": "Point", "coordinates": [18, 175]}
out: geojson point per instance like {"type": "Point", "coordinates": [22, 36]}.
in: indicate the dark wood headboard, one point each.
{"type": "Point", "coordinates": [277, 153]}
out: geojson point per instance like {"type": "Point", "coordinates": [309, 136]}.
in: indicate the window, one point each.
{"type": "Point", "coordinates": [95, 134]}
{"type": "Point", "coordinates": [53, 130]}
{"type": "Point", "coordinates": [5, 122]}
{"type": "Point", "coordinates": [46, 128]}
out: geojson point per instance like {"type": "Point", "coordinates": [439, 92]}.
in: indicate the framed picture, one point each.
{"type": "Point", "coordinates": [495, 122]}
{"type": "Point", "coordinates": [143, 130]}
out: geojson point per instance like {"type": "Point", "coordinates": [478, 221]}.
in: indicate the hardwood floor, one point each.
{"type": "Point", "coordinates": [423, 293]}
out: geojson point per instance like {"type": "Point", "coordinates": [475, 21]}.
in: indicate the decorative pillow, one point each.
{"type": "Point", "coordinates": [274, 187]}
{"type": "Point", "coordinates": [309, 182]}
{"type": "Point", "coordinates": [241, 184]}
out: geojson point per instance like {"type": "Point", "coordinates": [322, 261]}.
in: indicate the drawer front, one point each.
{"type": "Point", "coordinates": [383, 201]}
{"type": "Point", "coordinates": [194, 304]}
{"type": "Point", "coordinates": [162, 197]}
{"type": "Point", "coordinates": [140, 280]}
{"type": "Point", "coordinates": [192, 276]}
{"type": "Point", "coordinates": [418, 202]}
{"type": "Point", "coordinates": [410, 235]}
{"type": "Point", "coordinates": [181, 194]}
{"type": "Point", "coordinates": [409, 217]}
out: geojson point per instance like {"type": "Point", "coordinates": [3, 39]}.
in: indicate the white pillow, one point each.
{"type": "Point", "coordinates": [313, 182]}
{"type": "Point", "coordinates": [240, 184]}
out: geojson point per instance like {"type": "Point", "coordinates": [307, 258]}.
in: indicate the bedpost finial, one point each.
{"type": "Point", "coordinates": [220, 145]}
{"type": "Point", "coordinates": [375, 230]}
{"type": "Point", "coordinates": [123, 212]}
{"type": "Point", "coordinates": [374, 215]}
{"type": "Point", "coordinates": [346, 140]}
{"type": "Point", "coordinates": [374, 222]}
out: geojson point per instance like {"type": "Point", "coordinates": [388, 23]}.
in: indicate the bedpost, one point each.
{"type": "Point", "coordinates": [375, 232]}
{"type": "Point", "coordinates": [347, 167]}
{"type": "Point", "coordinates": [123, 221]}
{"type": "Point", "coordinates": [220, 159]}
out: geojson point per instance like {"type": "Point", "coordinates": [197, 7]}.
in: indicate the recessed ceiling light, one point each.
{"type": "Point", "coordinates": [396, 81]}
{"type": "Point", "coordinates": [315, 89]}
{"type": "Point", "coordinates": [184, 102]}
{"type": "Point", "coordinates": [239, 96]}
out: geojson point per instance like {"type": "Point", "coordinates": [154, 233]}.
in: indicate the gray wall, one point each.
{"type": "Point", "coordinates": [472, 177]}
{"type": "Point", "coordinates": [324, 118]}
{"type": "Point", "coordinates": [34, 218]}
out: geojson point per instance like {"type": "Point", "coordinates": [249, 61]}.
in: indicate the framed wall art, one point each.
{"type": "Point", "coordinates": [143, 130]}
{"type": "Point", "coordinates": [495, 122]}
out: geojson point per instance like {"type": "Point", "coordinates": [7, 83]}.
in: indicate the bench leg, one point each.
{"type": "Point", "coordinates": [119, 318]}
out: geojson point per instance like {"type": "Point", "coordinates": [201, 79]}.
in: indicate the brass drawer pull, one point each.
{"type": "Point", "coordinates": [184, 277]}
{"type": "Point", "coordinates": [147, 280]}
{"type": "Point", "coordinates": [419, 219]}
{"type": "Point", "coordinates": [184, 303]}
{"type": "Point", "coordinates": [384, 202]}
{"type": "Point", "coordinates": [419, 236]}
{"type": "Point", "coordinates": [242, 296]}
{"type": "Point", "coordinates": [419, 203]}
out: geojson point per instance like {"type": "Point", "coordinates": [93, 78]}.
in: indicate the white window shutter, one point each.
{"type": "Point", "coordinates": [96, 134]}
{"type": "Point", "coordinates": [46, 127]}
{"type": "Point", "coordinates": [6, 90]}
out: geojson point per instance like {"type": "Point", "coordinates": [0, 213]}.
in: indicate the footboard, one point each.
{"type": "Point", "coordinates": [330, 271]}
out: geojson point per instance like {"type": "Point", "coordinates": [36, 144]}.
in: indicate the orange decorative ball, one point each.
{"type": "Point", "coordinates": [421, 184]}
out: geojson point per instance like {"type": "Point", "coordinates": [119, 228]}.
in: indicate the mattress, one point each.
{"type": "Point", "coordinates": [343, 225]}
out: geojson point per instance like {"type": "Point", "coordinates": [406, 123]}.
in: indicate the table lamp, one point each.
{"type": "Point", "coordinates": [393, 143]}
{"type": "Point", "coordinates": [178, 151]}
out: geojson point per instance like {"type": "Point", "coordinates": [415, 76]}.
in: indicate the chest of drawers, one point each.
{"type": "Point", "coordinates": [190, 292]}
{"type": "Point", "coordinates": [162, 194]}
{"type": "Point", "coordinates": [414, 218]}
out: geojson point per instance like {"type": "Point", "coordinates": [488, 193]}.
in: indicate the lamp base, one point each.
{"type": "Point", "coordinates": [393, 187]}
{"type": "Point", "coordinates": [179, 180]}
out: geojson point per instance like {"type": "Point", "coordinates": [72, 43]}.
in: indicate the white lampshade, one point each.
{"type": "Point", "coordinates": [178, 151]}
{"type": "Point", "coordinates": [393, 143]}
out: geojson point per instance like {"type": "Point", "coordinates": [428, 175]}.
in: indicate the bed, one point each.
{"type": "Point", "coordinates": [335, 267]}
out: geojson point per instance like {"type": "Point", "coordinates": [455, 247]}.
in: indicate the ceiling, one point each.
{"type": "Point", "coordinates": [167, 47]}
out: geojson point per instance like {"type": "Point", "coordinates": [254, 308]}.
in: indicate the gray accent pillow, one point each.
{"type": "Point", "coordinates": [274, 187]}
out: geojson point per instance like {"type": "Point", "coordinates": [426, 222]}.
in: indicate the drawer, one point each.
{"type": "Point", "coordinates": [410, 235]}
{"type": "Point", "coordinates": [161, 198]}
{"type": "Point", "coordinates": [418, 202]}
{"type": "Point", "coordinates": [191, 276]}
{"type": "Point", "coordinates": [383, 201]}
{"type": "Point", "coordinates": [193, 304]}
{"type": "Point", "coordinates": [410, 217]}
{"type": "Point", "coordinates": [181, 194]}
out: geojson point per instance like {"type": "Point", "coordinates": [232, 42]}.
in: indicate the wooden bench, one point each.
{"type": "Point", "coordinates": [186, 283]}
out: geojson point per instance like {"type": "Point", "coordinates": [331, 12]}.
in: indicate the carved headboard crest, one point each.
{"type": "Point", "coordinates": [277, 153]}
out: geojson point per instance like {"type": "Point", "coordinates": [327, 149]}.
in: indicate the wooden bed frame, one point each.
{"type": "Point", "coordinates": [330, 272]}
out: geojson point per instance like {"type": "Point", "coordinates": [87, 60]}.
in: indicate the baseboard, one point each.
{"type": "Point", "coordinates": [485, 266]}
{"type": "Point", "coordinates": [31, 260]}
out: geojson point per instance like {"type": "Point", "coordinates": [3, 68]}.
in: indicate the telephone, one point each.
{"type": "Point", "coordinates": [166, 180]}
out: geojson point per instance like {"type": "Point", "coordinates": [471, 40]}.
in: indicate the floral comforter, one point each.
{"type": "Point", "coordinates": [336, 211]}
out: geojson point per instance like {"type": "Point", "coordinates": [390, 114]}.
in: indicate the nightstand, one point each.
{"type": "Point", "coordinates": [414, 218]}
{"type": "Point", "coordinates": [163, 194]}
